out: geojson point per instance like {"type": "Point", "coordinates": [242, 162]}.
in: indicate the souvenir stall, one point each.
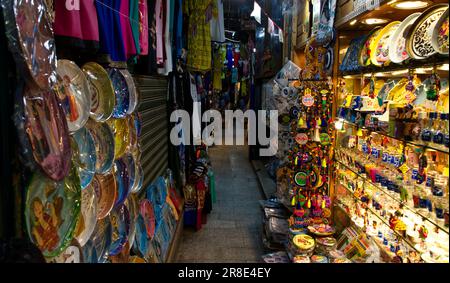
{"type": "Point", "coordinates": [90, 189]}
{"type": "Point", "coordinates": [392, 129]}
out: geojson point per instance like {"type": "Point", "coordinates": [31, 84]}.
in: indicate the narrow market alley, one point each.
{"type": "Point", "coordinates": [233, 231]}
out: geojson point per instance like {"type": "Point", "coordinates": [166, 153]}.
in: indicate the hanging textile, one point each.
{"type": "Point", "coordinates": [135, 22]}
{"type": "Point", "coordinates": [143, 27]}
{"type": "Point", "coordinates": [127, 34]}
{"type": "Point", "coordinates": [76, 24]}
{"type": "Point", "coordinates": [111, 41]}
{"type": "Point", "coordinates": [218, 24]}
{"type": "Point", "coordinates": [199, 35]}
{"type": "Point", "coordinates": [159, 25]}
{"type": "Point", "coordinates": [179, 27]}
{"type": "Point", "coordinates": [217, 72]}
{"type": "Point", "coordinates": [168, 32]}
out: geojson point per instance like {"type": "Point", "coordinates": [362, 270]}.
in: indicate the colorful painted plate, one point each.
{"type": "Point", "coordinates": [386, 88]}
{"type": "Point", "coordinates": [105, 188]}
{"type": "Point", "coordinates": [139, 178]}
{"type": "Point", "coordinates": [84, 156]}
{"type": "Point", "coordinates": [138, 123]}
{"type": "Point", "coordinates": [380, 46]}
{"type": "Point", "coordinates": [366, 51]}
{"type": "Point", "coordinates": [51, 212]}
{"type": "Point", "coordinates": [351, 58]}
{"type": "Point", "coordinates": [123, 181]}
{"type": "Point", "coordinates": [120, 129]}
{"type": "Point", "coordinates": [74, 93]}
{"type": "Point", "coordinates": [120, 221]}
{"type": "Point", "coordinates": [132, 204]}
{"type": "Point", "coordinates": [47, 132]}
{"type": "Point", "coordinates": [161, 188]}
{"type": "Point", "coordinates": [104, 145]}
{"type": "Point", "coordinates": [72, 254]}
{"type": "Point", "coordinates": [121, 92]}
{"type": "Point", "coordinates": [418, 43]}
{"type": "Point", "coordinates": [133, 102]}
{"type": "Point", "coordinates": [31, 39]}
{"type": "Point", "coordinates": [397, 44]}
{"type": "Point", "coordinates": [142, 241]}
{"type": "Point", "coordinates": [301, 178]}
{"type": "Point", "coordinates": [96, 249]}
{"type": "Point", "coordinates": [102, 92]}
{"type": "Point", "coordinates": [133, 138]}
{"type": "Point", "coordinates": [88, 218]}
{"type": "Point", "coordinates": [148, 215]}
{"type": "Point", "coordinates": [439, 37]}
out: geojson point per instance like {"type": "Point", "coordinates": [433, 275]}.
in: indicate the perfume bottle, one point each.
{"type": "Point", "coordinates": [438, 128]}
{"type": "Point", "coordinates": [445, 129]}
{"type": "Point", "coordinates": [427, 132]}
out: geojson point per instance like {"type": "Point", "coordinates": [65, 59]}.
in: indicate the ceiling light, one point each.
{"type": "Point", "coordinates": [374, 21]}
{"type": "Point", "coordinates": [407, 5]}
{"type": "Point", "coordinates": [353, 22]}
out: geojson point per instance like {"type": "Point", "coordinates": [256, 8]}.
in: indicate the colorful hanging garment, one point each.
{"type": "Point", "coordinates": [159, 17]}
{"type": "Point", "coordinates": [127, 34]}
{"type": "Point", "coordinates": [199, 34]}
{"type": "Point", "coordinates": [218, 23]}
{"type": "Point", "coordinates": [143, 27]}
{"type": "Point", "coordinates": [135, 22]}
{"type": "Point", "coordinates": [76, 24]}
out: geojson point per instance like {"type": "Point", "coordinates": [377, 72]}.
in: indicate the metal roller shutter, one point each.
{"type": "Point", "coordinates": [155, 126]}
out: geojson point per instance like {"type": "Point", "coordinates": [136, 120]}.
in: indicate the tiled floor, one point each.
{"type": "Point", "coordinates": [233, 231]}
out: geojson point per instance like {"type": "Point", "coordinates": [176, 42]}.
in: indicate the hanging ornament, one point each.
{"type": "Point", "coordinates": [372, 87]}
{"type": "Point", "coordinates": [324, 139]}
{"type": "Point", "coordinates": [410, 88]}
{"type": "Point", "coordinates": [308, 99]}
{"type": "Point", "coordinates": [433, 91]}
{"type": "Point", "coordinates": [301, 138]}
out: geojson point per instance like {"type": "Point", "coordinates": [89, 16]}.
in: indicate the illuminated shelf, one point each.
{"type": "Point", "coordinates": [416, 212]}
{"type": "Point", "coordinates": [435, 60]}
{"type": "Point", "coordinates": [429, 146]}
{"type": "Point", "coordinates": [384, 221]}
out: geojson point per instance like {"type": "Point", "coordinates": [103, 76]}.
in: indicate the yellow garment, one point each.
{"type": "Point", "coordinates": [199, 36]}
{"type": "Point", "coordinates": [217, 74]}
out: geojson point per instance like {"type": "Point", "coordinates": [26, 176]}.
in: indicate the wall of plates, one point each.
{"type": "Point", "coordinates": [392, 130]}
{"type": "Point", "coordinates": [83, 165]}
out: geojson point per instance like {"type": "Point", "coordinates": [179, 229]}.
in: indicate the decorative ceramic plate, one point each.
{"type": "Point", "coordinates": [121, 92]}
{"type": "Point", "coordinates": [96, 249]}
{"type": "Point", "coordinates": [321, 230]}
{"type": "Point", "coordinates": [88, 218]}
{"type": "Point", "coordinates": [439, 37]}
{"type": "Point", "coordinates": [301, 178]}
{"type": "Point", "coordinates": [84, 156]}
{"type": "Point", "coordinates": [120, 129]}
{"type": "Point", "coordinates": [103, 97]}
{"type": "Point", "coordinates": [133, 102]}
{"type": "Point", "coordinates": [161, 188]}
{"type": "Point", "coordinates": [328, 63]}
{"type": "Point", "coordinates": [47, 132]}
{"type": "Point", "coordinates": [74, 93]}
{"type": "Point", "coordinates": [397, 44]}
{"type": "Point", "coordinates": [51, 212]}
{"type": "Point", "coordinates": [418, 43]}
{"type": "Point", "coordinates": [123, 181]}
{"type": "Point", "coordinates": [364, 55]}
{"type": "Point", "coordinates": [380, 46]}
{"type": "Point", "coordinates": [132, 138]}
{"type": "Point", "coordinates": [386, 88]}
{"type": "Point", "coordinates": [138, 123]}
{"type": "Point", "coordinates": [319, 259]}
{"type": "Point", "coordinates": [304, 242]}
{"type": "Point", "coordinates": [132, 204]}
{"type": "Point", "coordinates": [137, 259]}
{"type": "Point", "coordinates": [105, 188]}
{"type": "Point", "coordinates": [351, 58]}
{"type": "Point", "coordinates": [72, 254]}
{"type": "Point", "coordinates": [104, 145]}
{"type": "Point", "coordinates": [148, 215]}
{"type": "Point", "coordinates": [139, 178]}
{"type": "Point", "coordinates": [131, 169]}
{"type": "Point", "coordinates": [120, 221]}
{"type": "Point", "coordinates": [301, 259]}
{"type": "Point", "coordinates": [142, 241]}
{"type": "Point", "coordinates": [326, 241]}
{"type": "Point", "coordinates": [31, 38]}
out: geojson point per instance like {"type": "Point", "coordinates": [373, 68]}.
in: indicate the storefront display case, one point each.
{"type": "Point", "coordinates": [392, 154]}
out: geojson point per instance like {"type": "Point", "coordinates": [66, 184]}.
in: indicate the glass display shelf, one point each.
{"type": "Point", "coordinates": [428, 146]}
{"type": "Point", "coordinates": [379, 217]}
{"type": "Point", "coordinates": [396, 199]}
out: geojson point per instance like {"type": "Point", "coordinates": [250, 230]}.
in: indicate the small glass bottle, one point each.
{"type": "Point", "coordinates": [445, 131]}
{"type": "Point", "coordinates": [427, 133]}
{"type": "Point", "coordinates": [438, 128]}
